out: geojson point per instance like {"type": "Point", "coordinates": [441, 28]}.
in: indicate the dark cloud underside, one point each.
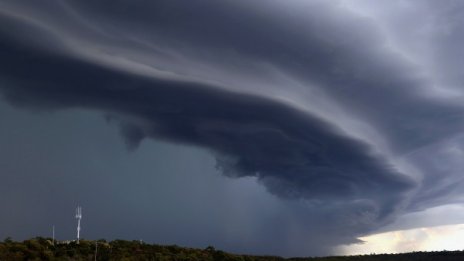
{"type": "Point", "coordinates": [290, 94]}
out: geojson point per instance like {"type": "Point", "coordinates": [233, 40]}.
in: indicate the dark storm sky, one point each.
{"type": "Point", "coordinates": [264, 126]}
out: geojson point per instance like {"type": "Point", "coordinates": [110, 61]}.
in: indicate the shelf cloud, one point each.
{"type": "Point", "coordinates": [321, 102]}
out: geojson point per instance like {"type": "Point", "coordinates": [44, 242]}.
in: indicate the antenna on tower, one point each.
{"type": "Point", "coordinates": [78, 217]}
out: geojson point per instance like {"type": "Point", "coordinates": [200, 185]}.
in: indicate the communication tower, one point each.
{"type": "Point", "coordinates": [78, 217]}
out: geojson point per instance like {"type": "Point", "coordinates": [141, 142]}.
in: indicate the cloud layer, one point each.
{"type": "Point", "coordinates": [313, 99]}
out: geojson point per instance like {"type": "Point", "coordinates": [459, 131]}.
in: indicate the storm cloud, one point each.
{"type": "Point", "coordinates": [312, 99]}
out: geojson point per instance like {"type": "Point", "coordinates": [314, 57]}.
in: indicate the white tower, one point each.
{"type": "Point", "coordinates": [78, 217]}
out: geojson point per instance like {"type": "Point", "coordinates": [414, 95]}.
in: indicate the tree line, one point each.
{"type": "Point", "coordinates": [39, 248]}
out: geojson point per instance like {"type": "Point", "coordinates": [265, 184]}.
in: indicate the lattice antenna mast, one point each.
{"type": "Point", "coordinates": [78, 217]}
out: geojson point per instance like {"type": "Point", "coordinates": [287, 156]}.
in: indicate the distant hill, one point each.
{"type": "Point", "coordinates": [44, 249]}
